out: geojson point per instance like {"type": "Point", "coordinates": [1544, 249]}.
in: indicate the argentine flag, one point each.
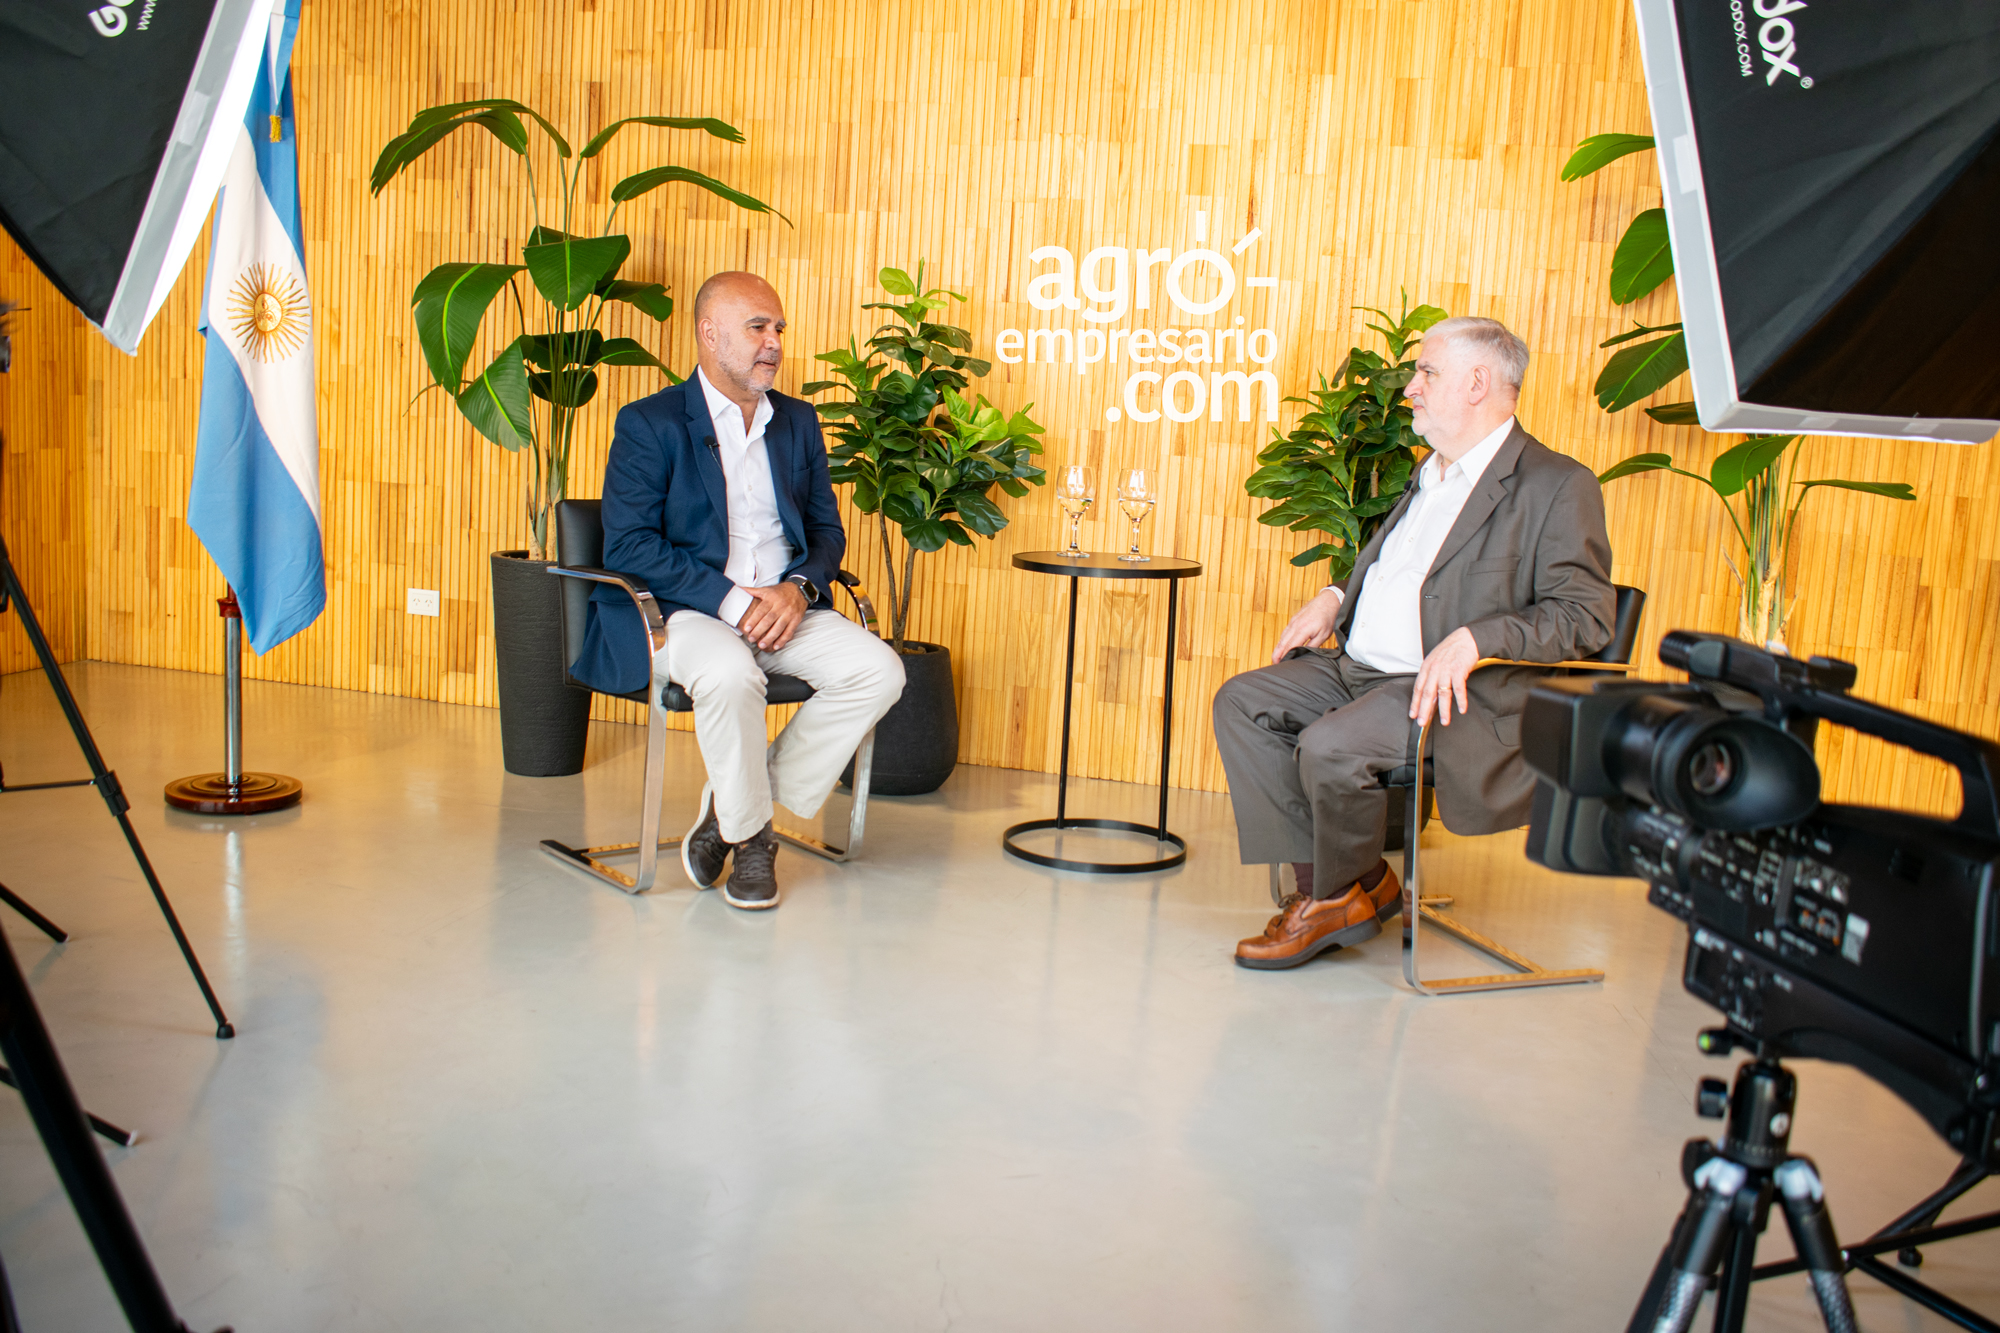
{"type": "Point", "coordinates": [255, 499]}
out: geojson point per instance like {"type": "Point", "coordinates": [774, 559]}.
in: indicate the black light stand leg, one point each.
{"type": "Point", "coordinates": [104, 779]}
{"type": "Point", "coordinates": [35, 919]}
{"type": "Point", "coordinates": [66, 1134]}
{"type": "Point", "coordinates": [10, 1322]}
{"type": "Point", "coordinates": [124, 1138]}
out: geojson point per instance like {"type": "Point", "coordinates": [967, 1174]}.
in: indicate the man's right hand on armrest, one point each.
{"type": "Point", "coordinates": [1312, 626]}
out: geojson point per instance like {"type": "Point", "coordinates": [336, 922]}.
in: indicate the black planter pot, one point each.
{"type": "Point", "coordinates": [916, 742]}
{"type": "Point", "coordinates": [543, 721]}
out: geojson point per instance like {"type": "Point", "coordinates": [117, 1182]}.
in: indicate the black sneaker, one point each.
{"type": "Point", "coordinates": [753, 884]}
{"type": "Point", "coordinates": [703, 852]}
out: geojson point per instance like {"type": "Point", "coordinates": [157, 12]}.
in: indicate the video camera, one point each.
{"type": "Point", "coordinates": [1865, 936]}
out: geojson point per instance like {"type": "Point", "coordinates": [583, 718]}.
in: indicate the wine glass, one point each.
{"type": "Point", "coordinates": [1076, 491]}
{"type": "Point", "coordinates": [1137, 496]}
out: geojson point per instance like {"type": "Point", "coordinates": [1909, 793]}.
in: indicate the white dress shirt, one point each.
{"type": "Point", "coordinates": [758, 551]}
{"type": "Point", "coordinates": [1388, 629]}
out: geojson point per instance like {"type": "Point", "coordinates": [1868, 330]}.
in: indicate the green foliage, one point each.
{"type": "Point", "coordinates": [1644, 258]}
{"type": "Point", "coordinates": [1759, 491]}
{"type": "Point", "coordinates": [1642, 262]}
{"type": "Point", "coordinates": [574, 276]}
{"type": "Point", "coordinates": [1600, 151]}
{"type": "Point", "coordinates": [916, 452]}
{"type": "Point", "coordinates": [1642, 369]}
{"type": "Point", "coordinates": [1349, 458]}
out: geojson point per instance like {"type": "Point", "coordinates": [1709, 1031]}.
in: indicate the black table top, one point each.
{"type": "Point", "coordinates": [1107, 565]}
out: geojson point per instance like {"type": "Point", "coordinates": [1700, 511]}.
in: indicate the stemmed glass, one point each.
{"type": "Point", "coordinates": [1137, 497]}
{"type": "Point", "coordinates": [1076, 491]}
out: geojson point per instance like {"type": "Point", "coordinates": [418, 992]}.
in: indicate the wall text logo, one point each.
{"type": "Point", "coordinates": [1110, 283]}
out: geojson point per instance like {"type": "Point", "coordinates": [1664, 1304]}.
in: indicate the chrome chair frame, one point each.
{"type": "Point", "coordinates": [1418, 909]}
{"type": "Point", "coordinates": [593, 860]}
{"type": "Point", "coordinates": [1527, 971]}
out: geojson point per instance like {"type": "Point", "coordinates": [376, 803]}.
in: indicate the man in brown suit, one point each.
{"type": "Point", "coordinates": [1497, 550]}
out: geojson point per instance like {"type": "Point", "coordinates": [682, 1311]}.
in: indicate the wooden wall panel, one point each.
{"type": "Point", "coordinates": [44, 403]}
{"type": "Point", "coordinates": [1379, 147]}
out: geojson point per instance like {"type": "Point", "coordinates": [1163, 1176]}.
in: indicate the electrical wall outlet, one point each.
{"type": "Point", "coordinates": [423, 601]}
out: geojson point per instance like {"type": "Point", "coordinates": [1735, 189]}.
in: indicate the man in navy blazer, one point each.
{"type": "Point", "coordinates": [716, 494]}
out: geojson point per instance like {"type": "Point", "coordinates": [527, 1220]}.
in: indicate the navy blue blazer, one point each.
{"type": "Point", "coordinates": [666, 520]}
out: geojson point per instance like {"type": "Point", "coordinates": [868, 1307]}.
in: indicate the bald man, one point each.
{"type": "Point", "coordinates": [1498, 549]}
{"type": "Point", "coordinates": [716, 495]}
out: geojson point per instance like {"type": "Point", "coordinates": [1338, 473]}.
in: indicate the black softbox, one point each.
{"type": "Point", "coordinates": [1832, 179]}
{"type": "Point", "coordinates": [116, 121]}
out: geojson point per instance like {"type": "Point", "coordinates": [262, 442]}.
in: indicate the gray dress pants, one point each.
{"type": "Point", "coordinates": [1305, 743]}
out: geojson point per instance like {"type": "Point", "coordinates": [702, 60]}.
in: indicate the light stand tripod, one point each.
{"type": "Point", "coordinates": [38, 1072]}
{"type": "Point", "coordinates": [1730, 1191]}
{"type": "Point", "coordinates": [14, 596]}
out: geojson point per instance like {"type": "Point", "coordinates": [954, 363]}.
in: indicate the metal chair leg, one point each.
{"type": "Point", "coordinates": [1417, 909]}
{"type": "Point", "coordinates": [857, 813]}
{"type": "Point", "coordinates": [591, 860]}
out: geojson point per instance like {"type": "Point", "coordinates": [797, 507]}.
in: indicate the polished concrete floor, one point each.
{"type": "Point", "coordinates": [938, 1089]}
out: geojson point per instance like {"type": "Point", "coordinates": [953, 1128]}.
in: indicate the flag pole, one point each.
{"type": "Point", "coordinates": [233, 792]}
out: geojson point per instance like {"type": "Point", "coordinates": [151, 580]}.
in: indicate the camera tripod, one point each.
{"type": "Point", "coordinates": [1731, 1187]}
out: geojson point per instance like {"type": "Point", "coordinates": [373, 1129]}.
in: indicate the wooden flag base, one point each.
{"type": "Point", "coordinates": [251, 794]}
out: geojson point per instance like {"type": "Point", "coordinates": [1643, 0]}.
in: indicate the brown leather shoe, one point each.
{"type": "Point", "coordinates": [1387, 896]}
{"type": "Point", "coordinates": [1308, 928]}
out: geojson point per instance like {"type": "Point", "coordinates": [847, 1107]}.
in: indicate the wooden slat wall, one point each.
{"type": "Point", "coordinates": [1407, 144]}
{"type": "Point", "coordinates": [44, 402]}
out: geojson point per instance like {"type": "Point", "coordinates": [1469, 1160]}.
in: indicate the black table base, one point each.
{"type": "Point", "coordinates": [1095, 867]}
{"type": "Point", "coordinates": [1107, 567]}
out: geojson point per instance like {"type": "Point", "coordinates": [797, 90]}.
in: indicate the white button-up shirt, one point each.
{"type": "Point", "coordinates": [1388, 628]}
{"type": "Point", "coordinates": [758, 551]}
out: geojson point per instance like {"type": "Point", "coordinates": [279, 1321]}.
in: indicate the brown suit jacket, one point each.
{"type": "Point", "coordinates": [1527, 568]}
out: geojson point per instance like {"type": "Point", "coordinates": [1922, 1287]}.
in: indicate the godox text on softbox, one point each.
{"type": "Point", "coordinates": [1832, 179]}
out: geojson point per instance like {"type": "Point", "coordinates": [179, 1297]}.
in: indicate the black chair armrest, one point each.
{"type": "Point", "coordinates": [862, 606]}
{"type": "Point", "coordinates": [634, 586]}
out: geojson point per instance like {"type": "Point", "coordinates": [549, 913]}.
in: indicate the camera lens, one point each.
{"type": "Point", "coordinates": [1712, 768]}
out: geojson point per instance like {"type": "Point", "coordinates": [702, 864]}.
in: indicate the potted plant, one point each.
{"type": "Point", "coordinates": [1348, 460]}
{"type": "Point", "coordinates": [528, 396]}
{"type": "Point", "coordinates": [924, 461]}
{"type": "Point", "coordinates": [1756, 482]}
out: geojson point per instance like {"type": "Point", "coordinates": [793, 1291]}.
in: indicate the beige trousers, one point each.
{"type": "Point", "coordinates": [856, 677]}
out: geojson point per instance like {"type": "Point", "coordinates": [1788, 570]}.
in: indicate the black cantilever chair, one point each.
{"type": "Point", "coordinates": [580, 537]}
{"type": "Point", "coordinates": [1419, 910]}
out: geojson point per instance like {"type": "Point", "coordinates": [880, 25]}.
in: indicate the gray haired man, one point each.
{"type": "Point", "coordinates": [1497, 550]}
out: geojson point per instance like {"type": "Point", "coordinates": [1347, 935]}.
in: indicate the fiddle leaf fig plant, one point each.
{"type": "Point", "coordinates": [1342, 468]}
{"type": "Point", "coordinates": [917, 452]}
{"type": "Point", "coordinates": [527, 395]}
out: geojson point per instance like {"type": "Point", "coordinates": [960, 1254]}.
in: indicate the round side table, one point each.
{"type": "Point", "coordinates": [1167, 567]}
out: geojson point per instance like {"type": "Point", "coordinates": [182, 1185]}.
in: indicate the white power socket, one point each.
{"type": "Point", "coordinates": [422, 601]}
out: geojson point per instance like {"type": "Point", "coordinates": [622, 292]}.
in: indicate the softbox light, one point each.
{"type": "Point", "coordinates": [1832, 179]}
{"type": "Point", "coordinates": [116, 122]}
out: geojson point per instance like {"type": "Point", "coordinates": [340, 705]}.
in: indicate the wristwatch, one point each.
{"type": "Point", "coordinates": [806, 587]}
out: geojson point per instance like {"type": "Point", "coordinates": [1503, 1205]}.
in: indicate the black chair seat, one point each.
{"type": "Point", "coordinates": [777, 690]}
{"type": "Point", "coordinates": [1406, 774]}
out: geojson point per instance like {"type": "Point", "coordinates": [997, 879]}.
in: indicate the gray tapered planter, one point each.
{"type": "Point", "coordinates": [543, 721]}
{"type": "Point", "coordinates": [916, 742]}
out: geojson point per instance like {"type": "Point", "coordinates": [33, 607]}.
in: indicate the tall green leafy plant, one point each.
{"type": "Point", "coordinates": [530, 392]}
{"type": "Point", "coordinates": [1342, 468]}
{"type": "Point", "coordinates": [1756, 481]}
{"type": "Point", "coordinates": [1758, 486]}
{"type": "Point", "coordinates": [918, 454]}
